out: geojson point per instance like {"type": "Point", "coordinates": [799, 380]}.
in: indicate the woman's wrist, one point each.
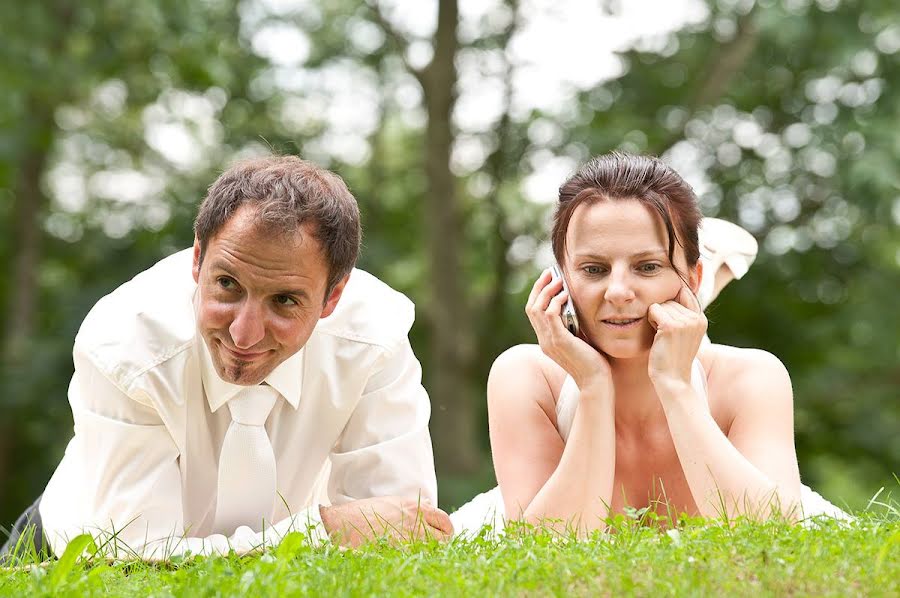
{"type": "Point", "coordinates": [673, 389]}
{"type": "Point", "coordinates": [680, 399]}
{"type": "Point", "coordinates": [597, 387]}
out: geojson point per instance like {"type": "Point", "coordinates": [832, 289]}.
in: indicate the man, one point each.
{"type": "Point", "coordinates": [254, 385]}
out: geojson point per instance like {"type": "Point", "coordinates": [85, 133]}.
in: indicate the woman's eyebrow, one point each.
{"type": "Point", "coordinates": [640, 254]}
{"type": "Point", "coordinates": [651, 252]}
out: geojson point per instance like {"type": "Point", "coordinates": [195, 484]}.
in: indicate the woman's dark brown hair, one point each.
{"type": "Point", "coordinates": [618, 176]}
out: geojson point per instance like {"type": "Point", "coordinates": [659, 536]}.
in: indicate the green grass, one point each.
{"type": "Point", "coordinates": [696, 558]}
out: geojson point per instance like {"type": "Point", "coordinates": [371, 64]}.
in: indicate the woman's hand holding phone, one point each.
{"type": "Point", "coordinates": [587, 366]}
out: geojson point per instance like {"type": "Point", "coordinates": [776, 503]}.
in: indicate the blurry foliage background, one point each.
{"type": "Point", "coordinates": [453, 123]}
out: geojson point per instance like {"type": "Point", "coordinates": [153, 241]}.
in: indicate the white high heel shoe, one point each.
{"type": "Point", "coordinates": [723, 243]}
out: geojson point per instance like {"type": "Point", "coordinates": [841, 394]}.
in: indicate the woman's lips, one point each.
{"type": "Point", "coordinates": [622, 323]}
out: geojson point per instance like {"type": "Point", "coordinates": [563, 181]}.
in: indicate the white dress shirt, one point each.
{"type": "Point", "coordinates": [351, 423]}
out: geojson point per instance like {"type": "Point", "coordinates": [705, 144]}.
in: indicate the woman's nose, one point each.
{"type": "Point", "coordinates": [619, 289]}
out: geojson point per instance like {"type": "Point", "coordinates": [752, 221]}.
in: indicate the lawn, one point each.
{"type": "Point", "coordinates": [696, 558]}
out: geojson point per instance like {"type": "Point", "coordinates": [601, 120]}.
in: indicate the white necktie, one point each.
{"type": "Point", "coordinates": [246, 488]}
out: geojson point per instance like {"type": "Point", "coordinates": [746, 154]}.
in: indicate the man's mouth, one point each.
{"type": "Point", "coordinates": [243, 355]}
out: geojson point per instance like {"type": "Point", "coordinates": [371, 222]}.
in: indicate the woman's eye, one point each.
{"type": "Point", "coordinates": [593, 270]}
{"type": "Point", "coordinates": [285, 300]}
{"type": "Point", "coordinates": [648, 268]}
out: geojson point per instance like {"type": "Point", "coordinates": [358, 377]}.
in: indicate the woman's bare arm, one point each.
{"type": "Point", "coordinates": [544, 480]}
{"type": "Point", "coordinates": [753, 471]}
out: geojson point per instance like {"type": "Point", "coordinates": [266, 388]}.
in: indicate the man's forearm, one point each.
{"type": "Point", "coordinates": [125, 544]}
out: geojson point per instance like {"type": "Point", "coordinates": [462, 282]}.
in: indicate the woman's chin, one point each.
{"type": "Point", "coordinates": [621, 348]}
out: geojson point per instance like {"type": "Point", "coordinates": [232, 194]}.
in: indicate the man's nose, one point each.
{"type": "Point", "coordinates": [619, 289]}
{"type": "Point", "coordinates": [248, 326]}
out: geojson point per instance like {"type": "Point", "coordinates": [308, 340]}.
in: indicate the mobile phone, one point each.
{"type": "Point", "coordinates": [568, 315]}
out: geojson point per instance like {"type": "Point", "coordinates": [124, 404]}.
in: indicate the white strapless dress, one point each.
{"type": "Point", "coordinates": [487, 508]}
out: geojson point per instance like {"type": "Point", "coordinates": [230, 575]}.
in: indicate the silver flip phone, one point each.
{"type": "Point", "coordinates": [569, 318]}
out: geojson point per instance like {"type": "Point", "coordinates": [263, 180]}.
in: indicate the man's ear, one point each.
{"type": "Point", "coordinates": [332, 301]}
{"type": "Point", "coordinates": [195, 268]}
{"type": "Point", "coordinates": [696, 277]}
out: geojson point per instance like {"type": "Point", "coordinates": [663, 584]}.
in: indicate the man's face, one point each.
{"type": "Point", "coordinates": [260, 296]}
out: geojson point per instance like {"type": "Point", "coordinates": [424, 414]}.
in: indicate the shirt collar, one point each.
{"type": "Point", "coordinates": [287, 378]}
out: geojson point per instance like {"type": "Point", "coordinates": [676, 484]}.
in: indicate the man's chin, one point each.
{"type": "Point", "coordinates": [241, 374]}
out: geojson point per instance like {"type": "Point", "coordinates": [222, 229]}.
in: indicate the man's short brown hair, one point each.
{"type": "Point", "coordinates": [287, 192]}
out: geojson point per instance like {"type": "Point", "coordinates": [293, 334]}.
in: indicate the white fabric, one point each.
{"type": "Point", "coordinates": [246, 486]}
{"type": "Point", "coordinates": [487, 508]}
{"type": "Point", "coordinates": [723, 243]}
{"type": "Point", "coordinates": [149, 426]}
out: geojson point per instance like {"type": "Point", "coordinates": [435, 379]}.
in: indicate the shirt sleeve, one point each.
{"type": "Point", "coordinates": [120, 481]}
{"type": "Point", "coordinates": [385, 448]}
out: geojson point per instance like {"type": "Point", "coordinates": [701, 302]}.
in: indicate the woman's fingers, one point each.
{"type": "Point", "coordinates": [548, 323]}
{"type": "Point", "coordinates": [539, 284]}
{"type": "Point", "coordinates": [679, 313]}
{"type": "Point", "coordinates": [656, 315]}
{"type": "Point", "coordinates": [688, 299]}
{"type": "Point", "coordinates": [674, 316]}
{"type": "Point", "coordinates": [686, 308]}
{"type": "Point", "coordinates": [554, 307]}
{"type": "Point", "coordinates": [660, 316]}
{"type": "Point", "coordinates": [544, 309]}
{"type": "Point", "coordinates": [543, 291]}
{"type": "Point", "coordinates": [548, 294]}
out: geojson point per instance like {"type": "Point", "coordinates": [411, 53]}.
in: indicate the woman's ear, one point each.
{"type": "Point", "coordinates": [696, 277]}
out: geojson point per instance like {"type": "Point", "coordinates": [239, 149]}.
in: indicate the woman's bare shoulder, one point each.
{"type": "Point", "coordinates": [737, 373]}
{"type": "Point", "coordinates": [525, 372]}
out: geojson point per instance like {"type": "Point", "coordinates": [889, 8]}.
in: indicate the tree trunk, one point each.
{"type": "Point", "coordinates": [724, 65]}
{"type": "Point", "coordinates": [501, 166]}
{"type": "Point", "coordinates": [29, 202]}
{"type": "Point", "coordinates": [23, 300]}
{"type": "Point", "coordinates": [452, 422]}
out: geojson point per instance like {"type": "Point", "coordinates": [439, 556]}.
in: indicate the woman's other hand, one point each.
{"type": "Point", "coordinates": [680, 326]}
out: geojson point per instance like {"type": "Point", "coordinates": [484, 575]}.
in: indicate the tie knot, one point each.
{"type": "Point", "coordinates": [252, 405]}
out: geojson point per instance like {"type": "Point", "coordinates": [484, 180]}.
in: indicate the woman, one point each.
{"type": "Point", "coordinates": [636, 411]}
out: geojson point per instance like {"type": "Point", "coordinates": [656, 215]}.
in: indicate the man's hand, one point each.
{"type": "Point", "coordinates": [392, 517]}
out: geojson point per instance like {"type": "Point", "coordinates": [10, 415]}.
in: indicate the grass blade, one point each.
{"type": "Point", "coordinates": [67, 561]}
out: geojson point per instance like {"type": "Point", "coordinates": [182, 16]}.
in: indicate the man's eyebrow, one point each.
{"type": "Point", "coordinates": [223, 266]}
{"type": "Point", "coordinates": [298, 292]}
{"type": "Point", "coordinates": [218, 264]}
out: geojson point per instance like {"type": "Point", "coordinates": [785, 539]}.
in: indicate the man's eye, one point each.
{"type": "Point", "coordinates": [593, 270]}
{"type": "Point", "coordinates": [225, 282]}
{"type": "Point", "coordinates": [285, 300]}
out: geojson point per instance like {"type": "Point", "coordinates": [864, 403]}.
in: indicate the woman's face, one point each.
{"type": "Point", "coordinates": [617, 266]}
